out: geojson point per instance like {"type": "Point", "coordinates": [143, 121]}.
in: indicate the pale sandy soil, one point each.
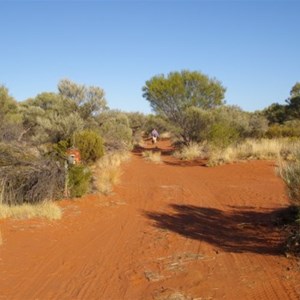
{"type": "Point", "coordinates": [172, 231]}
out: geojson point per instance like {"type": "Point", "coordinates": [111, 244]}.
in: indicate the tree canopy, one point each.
{"type": "Point", "coordinates": [171, 95]}
{"type": "Point", "coordinates": [90, 100]}
{"type": "Point", "coordinates": [177, 91]}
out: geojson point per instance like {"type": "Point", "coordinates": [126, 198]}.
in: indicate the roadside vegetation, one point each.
{"type": "Point", "coordinates": [106, 171]}
{"type": "Point", "coordinates": [47, 209]}
{"type": "Point", "coordinates": [290, 173]}
{"type": "Point", "coordinates": [153, 156]}
{"type": "Point", "coordinates": [36, 135]}
{"type": "Point", "coordinates": [204, 127]}
{"type": "Point", "coordinates": [188, 108]}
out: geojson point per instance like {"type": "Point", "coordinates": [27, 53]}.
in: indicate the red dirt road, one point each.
{"type": "Point", "coordinates": [174, 231]}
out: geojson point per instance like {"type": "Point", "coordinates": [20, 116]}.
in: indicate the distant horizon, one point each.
{"type": "Point", "coordinates": [251, 47]}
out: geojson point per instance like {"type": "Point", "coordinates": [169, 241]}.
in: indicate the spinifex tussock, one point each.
{"type": "Point", "coordinates": [191, 152]}
{"type": "Point", "coordinates": [47, 210]}
{"type": "Point", "coordinates": [107, 171]}
{"type": "Point", "coordinates": [153, 156]}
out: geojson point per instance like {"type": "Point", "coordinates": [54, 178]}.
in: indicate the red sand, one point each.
{"type": "Point", "coordinates": [170, 231]}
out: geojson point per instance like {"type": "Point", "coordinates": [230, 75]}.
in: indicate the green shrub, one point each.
{"type": "Point", "coordinates": [222, 135]}
{"type": "Point", "coordinates": [288, 129]}
{"type": "Point", "coordinates": [115, 130]}
{"type": "Point", "coordinates": [90, 145]}
{"type": "Point", "coordinates": [196, 125]}
{"type": "Point", "coordinates": [79, 178]}
{"type": "Point", "coordinates": [246, 124]}
{"type": "Point", "coordinates": [160, 123]}
{"type": "Point", "coordinates": [61, 147]}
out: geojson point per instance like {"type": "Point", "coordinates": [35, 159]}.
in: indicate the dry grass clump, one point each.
{"type": "Point", "coordinates": [290, 173]}
{"type": "Point", "coordinates": [107, 171]}
{"type": "Point", "coordinates": [28, 178]}
{"type": "Point", "coordinates": [153, 156]}
{"type": "Point", "coordinates": [47, 210]}
{"type": "Point", "coordinates": [190, 152]}
{"type": "Point", "coordinates": [255, 149]}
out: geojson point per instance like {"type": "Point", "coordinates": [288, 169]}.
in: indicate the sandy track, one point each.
{"type": "Point", "coordinates": [170, 231]}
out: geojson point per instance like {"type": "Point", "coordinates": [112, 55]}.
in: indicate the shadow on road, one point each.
{"type": "Point", "coordinates": [237, 230]}
{"type": "Point", "coordinates": [138, 150]}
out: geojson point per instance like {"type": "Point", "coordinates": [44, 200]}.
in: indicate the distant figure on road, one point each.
{"type": "Point", "coordinates": [154, 136]}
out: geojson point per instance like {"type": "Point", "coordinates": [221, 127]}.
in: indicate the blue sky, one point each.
{"type": "Point", "coordinates": [252, 47]}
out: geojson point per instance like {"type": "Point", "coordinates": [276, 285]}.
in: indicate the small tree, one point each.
{"type": "Point", "coordinates": [170, 96]}
{"type": "Point", "coordinates": [90, 100]}
{"type": "Point", "coordinates": [197, 124]}
{"type": "Point", "coordinates": [293, 103]}
{"type": "Point", "coordinates": [276, 113]}
{"type": "Point", "coordinates": [115, 130]}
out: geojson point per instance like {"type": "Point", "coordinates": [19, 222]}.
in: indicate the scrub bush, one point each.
{"type": "Point", "coordinates": [26, 177]}
{"type": "Point", "coordinates": [90, 145]}
{"type": "Point", "coordinates": [79, 178]}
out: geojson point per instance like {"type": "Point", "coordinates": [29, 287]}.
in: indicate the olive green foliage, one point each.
{"type": "Point", "coordinates": [115, 130]}
{"type": "Point", "coordinates": [197, 124]}
{"type": "Point", "coordinates": [137, 123]}
{"type": "Point", "coordinates": [171, 95]}
{"type": "Point", "coordinates": [56, 127]}
{"type": "Point", "coordinates": [89, 100]}
{"type": "Point", "coordinates": [61, 147]}
{"type": "Point", "coordinates": [276, 113]}
{"type": "Point", "coordinates": [79, 178]}
{"type": "Point", "coordinates": [258, 125]}
{"type": "Point", "coordinates": [50, 118]}
{"type": "Point", "coordinates": [160, 123]}
{"type": "Point", "coordinates": [279, 114]}
{"type": "Point", "coordinates": [246, 124]}
{"type": "Point", "coordinates": [222, 135]}
{"type": "Point", "coordinates": [50, 121]}
{"type": "Point", "coordinates": [288, 129]}
{"type": "Point", "coordinates": [221, 126]}
{"type": "Point", "coordinates": [179, 90]}
{"type": "Point", "coordinates": [11, 119]}
{"type": "Point", "coordinates": [293, 102]}
{"type": "Point", "coordinates": [90, 145]}
{"type": "Point", "coordinates": [293, 107]}
{"type": "Point", "coordinates": [8, 105]}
